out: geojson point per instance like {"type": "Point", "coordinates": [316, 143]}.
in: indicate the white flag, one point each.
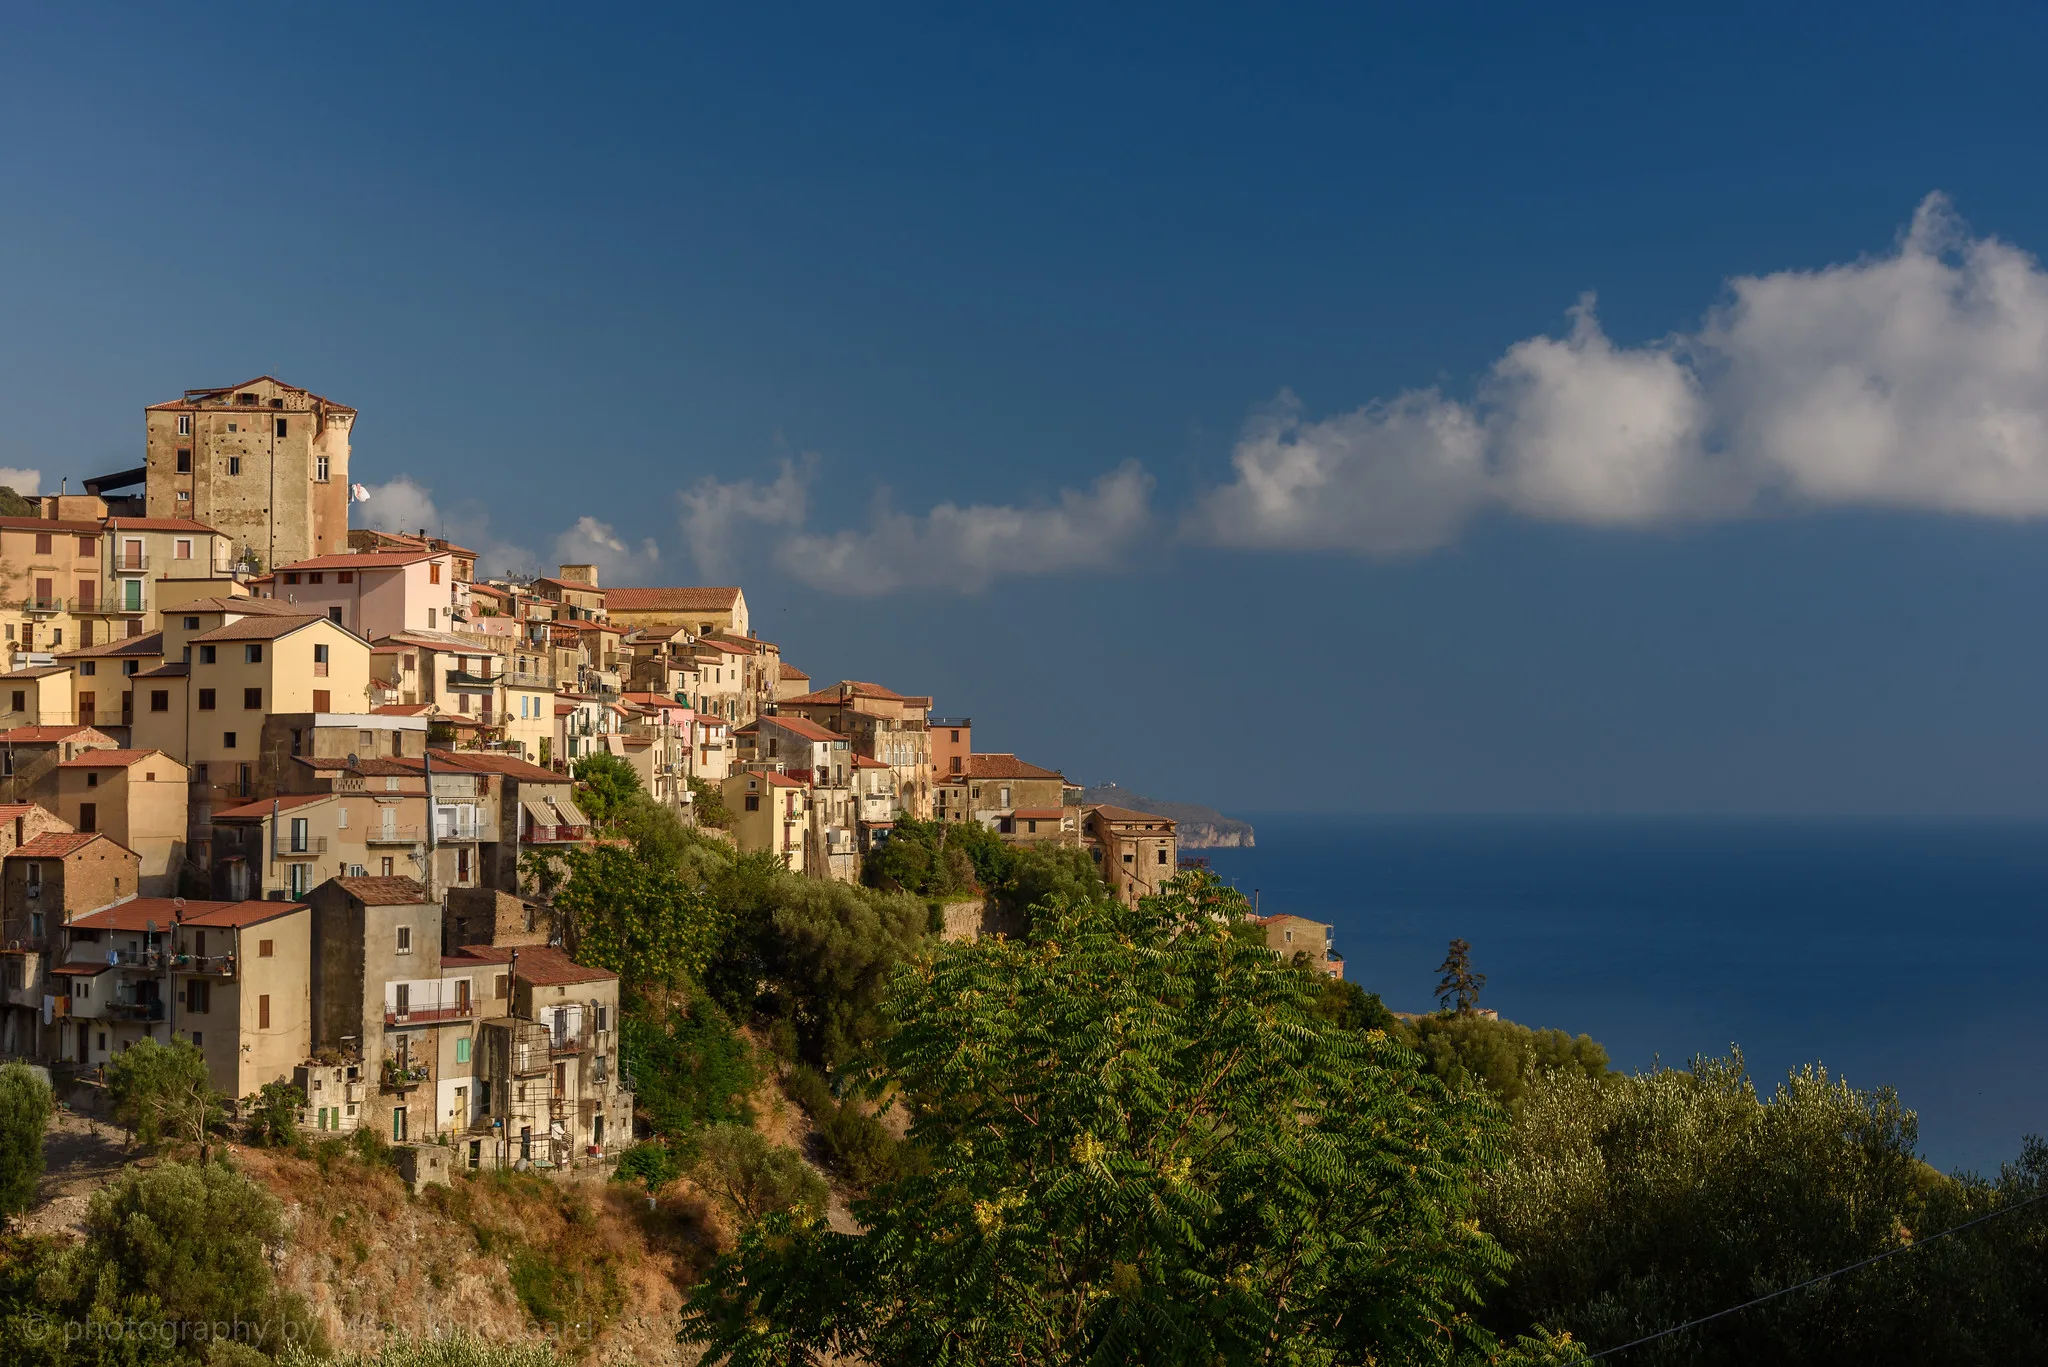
{"type": "Point", "coordinates": [358, 494]}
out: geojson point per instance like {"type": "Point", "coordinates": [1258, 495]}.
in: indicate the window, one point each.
{"type": "Point", "coordinates": [206, 654]}
{"type": "Point", "coordinates": [319, 464]}
{"type": "Point", "coordinates": [191, 624]}
{"type": "Point", "coordinates": [300, 840]}
{"type": "Point", "coordinates": [92, 778]}
{"type": "Point", "coordinates": [131, 595]}
{"type": "Point", "coordinates": [281, 427]}
{"type": "Point", "coordinates": [205, 700]}
{"type": "Point", "coordinates": [184, 457]}
{"type": "Point", "coordinates": [198, 1038]}
{"type": "Point", "coordinates": [956, 741]}
{"type": "Point", "coordinates": [334, 616]}
{"type": "Point", "coordinates": [291, 577]}
{"type": "Point", "coordinates": [130, 668]}
{"type": "Point", "coordinates": [20, 701]}
{"type": "Point", "coordinates": [245, 398]}
{"type": "Point", "coordinates": [159, 700]}
{"type": "Point", "coordinates": [88, 545]}
{"type": "Point", "coordinates": [184, 495]}
{"type": "Point", "coordinates": [1162, 859]}
{"type": "Point", "coordinates": [316, 577]}
{"type": "Point", "coordinates": [266, 949]}
{"type": "Point", "coordinates": [753, 802]}
{"type": "Point", "coordinates": [89, 814]}
{"type": "Point", "coordinates": [227, 740]}
{"type": "Point", "coordinates": [252, 700]}
{"type": "Point", "coordinates": [956, 764]}
{"type": "Point", "coordinates": [252, 655]}
{"type": "Point", "coordinates": [345, 577]}
{"type": "Point", "coordinates": [462, 1051]}
{"type": "Point", "coordinates": [198, 996]}
{"type": "Point", "coordinates": [405, 939]}
{"type": "Point", "coordinates": [181, 549]}
{"type": "Point", "coordinates": [1127, 856]}
{"type": "Point", "coordinates": [89, 669]}
{"type": "Point", "coordinates": [321, 700]}
{"type": "Point", "coordinates": [263, 1012]}
{"type": "Point", "coordinates": [387, 866]}
{"type": "Point", "coordinates": [320, 653]}
{"type": "Point", "coordinates": [501, 987]}
{"type": "Point", "coordinates": [184, 424]}
{"type": "Point", "coordinates": [234, 462]}
{"type": "Point", "coordinates": [42, 543]}
{"type": "Point", "coordinates": [301, 879]}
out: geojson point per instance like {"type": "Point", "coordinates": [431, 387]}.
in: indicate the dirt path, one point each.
{"type": "Point", "coordinates": [80, 1155]}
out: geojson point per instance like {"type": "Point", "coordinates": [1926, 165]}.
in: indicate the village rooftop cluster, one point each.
{"type": "Point", "coordinates": [266, 781]}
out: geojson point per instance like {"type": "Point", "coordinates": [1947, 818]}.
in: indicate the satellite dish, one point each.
{"type": "Point", "coordinates": [353, 762]}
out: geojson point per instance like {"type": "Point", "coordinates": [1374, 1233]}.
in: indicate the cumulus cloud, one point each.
{"type": "Point", "coordinates": [405, 505]}
{"type": "Point", "coordinates": [1916, 379]}
{"type": "Point", "coordinates": [963, 550]}
{"type": "Point", "coordinates": [714, 512]}
{"type": "Point", "coordinates": [591, 542]}
{"type": "Point", "coordinates": [21, 481]}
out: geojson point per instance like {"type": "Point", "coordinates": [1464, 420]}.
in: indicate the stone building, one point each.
{"type": "Point", "coordinates": [264, 462]}
{"type": "Point", "coordinates": [1135, 852]}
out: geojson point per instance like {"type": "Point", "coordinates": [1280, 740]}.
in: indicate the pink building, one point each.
{"type": "Point", "coordinates": [378, 593]}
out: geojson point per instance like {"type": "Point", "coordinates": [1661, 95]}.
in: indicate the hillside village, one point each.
{"type": "Point", "coordinates": [265, 782]}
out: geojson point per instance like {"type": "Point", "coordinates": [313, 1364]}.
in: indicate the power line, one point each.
{"type": "Point", "coordinates": [1815, 1281]}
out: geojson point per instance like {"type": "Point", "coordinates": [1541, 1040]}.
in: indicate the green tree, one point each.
{"type": "Point", "coordinates": [651, 1163]}
{"type": "Point", "coordinates": [660, 838]}
{"type": "Point", "coordinates": [1646, 1201]}
{"type": "Point", "coordinates": [648, 924]}
{"type": "Point", "coordinates": [25, 1105]}
{"type": "Point", "coordinates": [186, 1244]}
{"type": "Point", "coordinates": [272, 1114]}
{"type": "Point", "coordinates": [1348, 1006]}
{"type": "Point", "coordinates": [1143, 1146]}
{"type": "Point", "coordinates": [1041, 873]}
{"type": "Point", "coordinates": [753, 1178]}
{"type": "Point", "coordinates": [709, 803]}
{"type": "Point", "coordinates": [829, 954]}
{"type": "Point", "coordinates": [1501, 1056]}
{"type": "Point", "coordinates": [460, 1349]}
{"type": "Point", "coordinates": [1459, 986]}
{"type": "Point", "coordinates": [162, 1092]}
{"type": "Point", "coordinates": [689, 1068]}
{"type": "Point", "coordinates": [608, 782]}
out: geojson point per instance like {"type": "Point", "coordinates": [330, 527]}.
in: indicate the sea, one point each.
{"type": "Point", "coordinates": [1899, 953]}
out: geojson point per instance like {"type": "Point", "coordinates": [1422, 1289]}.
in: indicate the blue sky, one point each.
{"type": "Point", "coordinates": [1277, 461]}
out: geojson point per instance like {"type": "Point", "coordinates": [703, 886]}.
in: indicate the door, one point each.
{"type": "Point", "coordinates": [561, 1080]}
{"type": "Point", "coordinates": [85, 1044]}
{"type": "Point", "coordinates": [398, 1124]}
{"type": "Point", "coordinates": [462, 996]}
{"type": "Point", "coordinates": [88, 704]}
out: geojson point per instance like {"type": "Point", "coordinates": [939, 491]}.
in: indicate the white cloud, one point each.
{"type": "Point", "coordinates": [1918, 379]}
{"type": "Point", "coordinates": [713, 512]}
{"type": "Point", "coordinates": [21, 481]}
{"type": "Point", "coordinates": [963, 550]}
{"type": "Point", "coordinates": [591, 542]}
{"type": "Point", "coordinates": [404, 505]}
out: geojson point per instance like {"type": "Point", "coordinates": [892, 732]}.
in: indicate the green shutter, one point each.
{"type": "Point", "coordinates": [462, 1051]}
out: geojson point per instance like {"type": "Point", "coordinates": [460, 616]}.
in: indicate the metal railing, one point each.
{"type": "Point", "coordinates": [308, 847]}
{"type": "Point", "coordinates": [527, 678]}
{"type": "Point", "coordinates": [399, 1076]}
{"type": "Point", "coordinates": [463, 678]}
{"type": "Point", "coordinates": [553, 835]}
{"type": "Point", "coordinates": [135, 1011]}
{"type": "Point", "coordinates": [429, 1015]}
{"type": "Point", "coordinates": [42, 605]}
{"type": "Point", "coordinates": [395, 835]}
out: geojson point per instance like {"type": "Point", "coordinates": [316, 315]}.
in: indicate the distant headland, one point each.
{"type": "Point", "coordinates": [1201, 828]}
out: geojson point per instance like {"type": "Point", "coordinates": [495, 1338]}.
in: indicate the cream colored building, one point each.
{"type": "Point", "coordinates": [770, 812]}
{"type": "Point", "coordinates": [137, 798]}
{"type": "Point", "coordinates": [264, 462]}
{"type": "Point", "coordinates": [701, 611]}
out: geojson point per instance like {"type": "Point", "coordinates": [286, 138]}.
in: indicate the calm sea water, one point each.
{"type": "Point", "coordinates": [1901, 953]}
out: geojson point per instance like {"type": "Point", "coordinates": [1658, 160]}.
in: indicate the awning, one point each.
{"type": "Point", "coordinates": [537, 813]}
{"type": "Point", "coordinates": [80, 970]}
{"type": "Point", "coordinates": [570, 816]}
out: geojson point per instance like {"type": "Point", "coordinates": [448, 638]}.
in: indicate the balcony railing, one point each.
{"type": "Point", "coordinates": [573, 1039]}
{"type": "Point", "coordinates": [463, 678]}
{"type": "Point", "coordinates": [138, 958]}
{"type": "Point", "coordinates": [431, 1015]}
{"type": "Point", "coordinates": [395, 835]}
{"type": "Point", "coordinates": [553, 835]}
{"type": "Point", "coordinates": [131, 560]}
{"type": "Point", "coordinates": [135, 1011]}
{"type": "Point", "coordinates": [212, 965]}
{"type": "Point", "coordinates": [528, 678]}
{"type": "Point", "coordinates": [460, 831]}
{"type": "Point", "coordinates": [42, 606]}
{"type": "Point", "coordinates": [300, 849]}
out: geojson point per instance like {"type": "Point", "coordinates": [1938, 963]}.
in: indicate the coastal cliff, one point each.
{"type": "Point", "coordinates": [1201, 828]}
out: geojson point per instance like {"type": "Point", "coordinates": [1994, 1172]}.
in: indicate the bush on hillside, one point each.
{"type": "Point", "coordinates": [856, 1143]}
{"type": "Point", "coordinates": [690, 1068]}
{"type": "Point", "coordinates": [1501, 1056]}
{"type": "Point", "coordinates": [25, 1105]}
{"type": "Point", "coordinates": [753, 1178]}
{"type": "Point", "coordinates": [162, 1092]}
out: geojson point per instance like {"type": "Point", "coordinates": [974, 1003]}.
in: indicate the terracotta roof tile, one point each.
{"type": "Point", "coordinates": [671, 599]}
{"type": "Point", "coordinates": [1004, 766]}
{"type": "Point", "coordinates": [257, 810]}
{"type": "Point", "coordinates": [57, 844]}
{"type": "Point", "coordinates": [541, 965]}
{"type": "Point", "coordinates": [264, 627]}
{"type": "Point", "coordinates": [112, 759]}
{"type": "Point", "coordinates": [44, 735]}
{"type": "Point", "coordinates": [385, 892]}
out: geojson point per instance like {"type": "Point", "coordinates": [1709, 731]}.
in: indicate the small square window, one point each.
{"type": "Point", "coordinates": [227, 742]}
{"type": "Point", "coordinates": [191, 624]}
{"type": "Point", "coordinates": [206, 655]}
{"type": "Point", "coordinates": [252, 700]}
{"type": "Point", "coordinates": [405, 939]}
{"type": "Point", "coordinates": [252, 654]}
{"type": "Point", "coordinates": [159, 700]}
{"type": "Point", "coordinates": [206, 700]}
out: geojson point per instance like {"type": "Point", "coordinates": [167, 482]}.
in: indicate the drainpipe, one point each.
{"type": "Point", "coordinates": [427, 760]}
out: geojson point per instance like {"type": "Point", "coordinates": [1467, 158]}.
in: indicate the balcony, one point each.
{"type": "Point", "coordinates": [527, 678]}
{"type": "Point", "coordinates": [207, 965]}
{"type": "Point", "coordinates": [131, 558]}
{"type": "Point", "coordinates": [462, 678]}
{"type": "Point", "coordinates": [395, 835]}
{"type": "Point", "coordinates": [568, 1040]}
{"type": "Point", "coordinates": [135, 1011]}
{"type": "Point", "coordinates": [152, 959]}
{"type": "Point", "coordinates": [463, 832]}
{"type": "Point", "coordinates": [402, 1075]}
{"type": "Point", "coordinates": [306, 848]}
{"type": "Point", "coordinates": [42, 607]}
{"type": "Point", "coordinates": [554, 835]}
{"type": "Point", "coordinates": [431, 1015]}
{"type": "Point", "coordinates": [559, 1106]}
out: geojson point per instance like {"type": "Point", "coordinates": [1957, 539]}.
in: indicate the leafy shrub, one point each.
{"type": "Point", "coordinates": [25, 1105]}
{"type": "Point", "coordinates": [858, 1144]}
{"type": "Point", "coordinates": [709, 803]}
{"type": "Point", "coordinates": [272, 1115]}
{"type": "Point", "coordinates": [652, 1164]}
{"type": "Point", "coordinates": [752, 1178]}
{"type": "Point", "coordinates": [1501, 1056]}
{"type": "Point", "coordinates": [1348, 1006]}
{"type": "Point", "coordinates": [690, 1068]}
{"type": "Point", "coordinates": [460, 1349]}
{"type": "Point", "coordinates": [162, 1091]}
{"type": "Point", "coordinates": [608, 782]}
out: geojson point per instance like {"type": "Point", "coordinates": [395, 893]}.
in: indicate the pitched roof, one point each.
{"type": "Point", "coordinates": [671, 599]}
{"type": "Point", "coordinates": [160, 524]}
{"type": "Point", "coordinates": [152, 644]}
{"type": "Point", "coordinates": [245, 607]}
{"type": "Point", "coordinates": [113, 759]}
{"type": "Point", "coordinates": [491, 762]}
{"type": "Point", "coordinates": [195, 398]}
{"type": "Point", "coordinates": [728, 647]}
{"type": "Point", "coordinates": [541, 965]}
{"type": "Point", "coordinates": [870, 762]}
{"type": "Point", "coordinates": [175, 669]}
{"type": "Point", "coordinates": [38, 672]}
{"type": "Point", "coordinates": [1109, 813]}
{"type": "Point", "coordinates": [385, 892]}
{"type": "Point", "coordinates": [826, 697]}
{"type": "Point", "coordinates": [44, 735]}
{"type": "Point", "coordinates": [49, 524]}
{"type": "Point", "coordinates": [802, 726]}
{"type": "Point", "coordinates": [261, 628]}
{"type": "Point", "coordinates": [1004, 766]}
{"type": "Point", "coordinates": [138, 912]}
{"type": "Point", "coordinates": [58, 844]}
{"type": "Point", "coordinates": [363, 560]}
{"type": "Point", "coordinates": [790, 671]}
{"type": "Point", "coordinates": [250, 811]}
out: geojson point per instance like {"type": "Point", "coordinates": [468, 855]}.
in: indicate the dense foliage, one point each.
{"type": "Point", "coordinates": [1643, 1202]}
{"type": "Point", "coordinates": [752, 1178]}
{"type": "Point", "coordinates": [271, 1116]}
{"type": "Point", "coordinates": [689, 1067]}
{"type": "Point", "coordinates": [1143, 1145]}
{"type": "Point", "coordinates": [176, 1259]}
{"type": "Point", "coordinates": [162, 1092]}
{"type": "Point", "coordinates": [649, 923]}
{"type": "Point", "coordinates": [709, 804]}
{"type": "Point", "coordinates": [856, 1143]}
{"type": "Point", "coordinates": [938, 860]}
{"type": "Point", "coordinates": [608, 784]}
{"type": "Point", "coordinates": [459, 1349]}
{"type": "Point", "coordinates": [24, 1114]}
